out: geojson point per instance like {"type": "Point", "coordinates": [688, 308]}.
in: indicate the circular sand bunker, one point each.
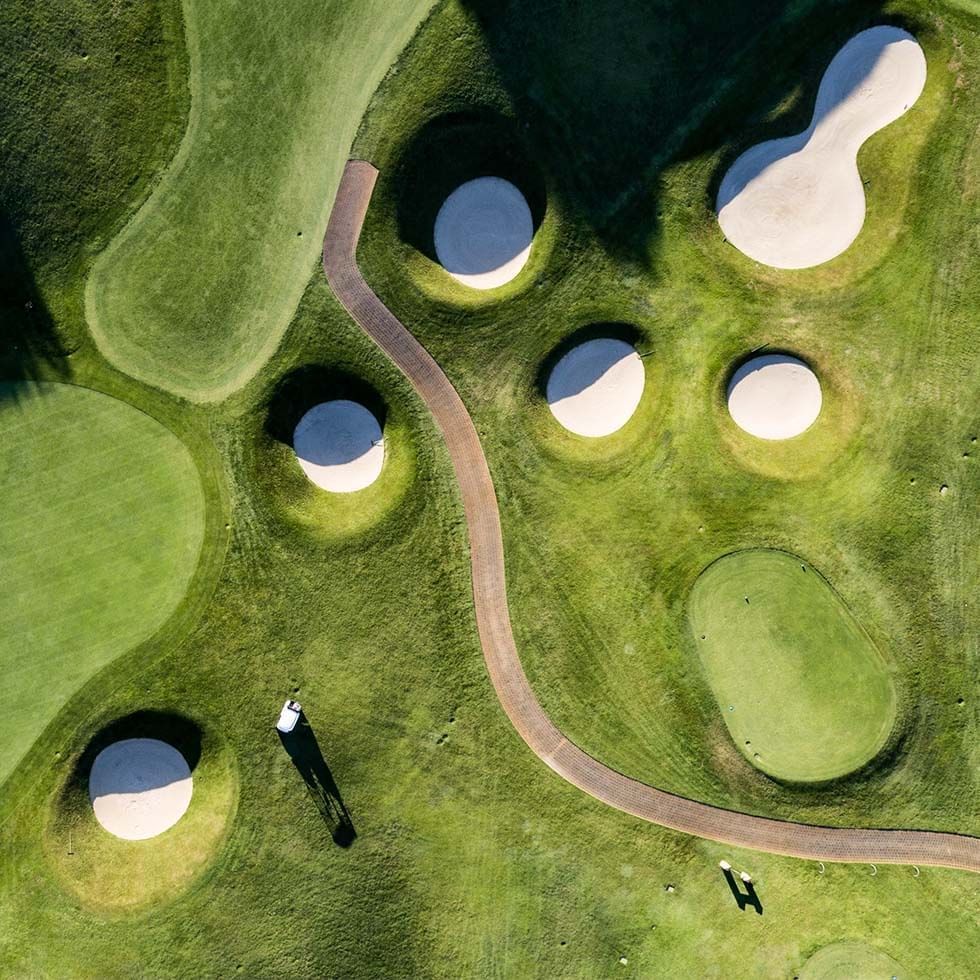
{"type": "Point", "coordinates": [339, 445]}
{"type": "Point", "coordinates": [483, 232]}
{"type": "Point", "coordinates": [139, 787]}
{"type": "Point", "coordinates": [594, 389]}
{"type": "Point", "coordinates": [774, 397]}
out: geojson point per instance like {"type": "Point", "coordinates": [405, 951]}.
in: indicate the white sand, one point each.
{"type": "Point", "coordinates": [774, 397]}
{"type": "Point", "coordinates": [595, 388]}
{"type": "Point", "coordinates": [483, 232]}
{"type": "Point", "coordinates": [339, 446]}
{"type": "Point", "coordinates": [139, 787]}
{"type": "Point", "coordinates": [796, 202]}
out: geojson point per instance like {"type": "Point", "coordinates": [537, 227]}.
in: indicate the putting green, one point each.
{"type": "Point", "coordinates": [197, 306]}
{"type": "Point", "coordinates": [804, 692]}
{"type": "Point", "coordinates": [103, 519]}
{"type": "Point", "coordinates": [850, 961]}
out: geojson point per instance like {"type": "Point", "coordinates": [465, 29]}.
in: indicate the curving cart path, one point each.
{"type": "Point", "coordinates": [493, 619]}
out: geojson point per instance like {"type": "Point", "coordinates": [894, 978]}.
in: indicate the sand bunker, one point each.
{"type": "Point", "coordinates": [483, 232]}
{"type": "Point", "coordinates": [595, 388]}
{"type": "Point", "coordinates": [339, 446]}
{"type": "Point", "coordinates": [139, 787]}
{"type": "Point", "coordinates": [774, 397]}
{"type": "Point", "coordinates": [795, 202]}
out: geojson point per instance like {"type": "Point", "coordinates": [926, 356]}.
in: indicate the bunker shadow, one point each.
{"type": "Point", "coordinates": [625, 332]}
{"type": "Point", "coordinates": [312, 384]}
{"type": "Point", "coordinates": [744, 899]}
{"type": "Point", "coordinates": [303, 748]}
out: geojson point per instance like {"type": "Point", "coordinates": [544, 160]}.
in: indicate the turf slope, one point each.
{"type": "Point", "coordinates": [103, 523]}
{"type": "Point", "coordinates": [195, 293]}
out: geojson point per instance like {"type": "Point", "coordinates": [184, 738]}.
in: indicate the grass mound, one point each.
{"type": "Point", "coordinates": [114, 875]}
{"type": "Point", "coordinates": [103, 523]}
{"type": "Point", "coordinates": [290, 491]}
{"type": "Point", "coordinates": [804, 692]}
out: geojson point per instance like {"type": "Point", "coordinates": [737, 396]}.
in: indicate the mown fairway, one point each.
{"type": "Point", "coordinates": [196, 293]}
{"type": "Point", "coordinates": [103, 522]}
{"type": "Point", "coordinates": [803, 692]}
{"type": "Point", "coordinates": [471, 857]}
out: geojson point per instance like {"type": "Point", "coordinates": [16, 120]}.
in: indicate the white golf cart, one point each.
{"type": "Point", "coordinates": [289, 716]}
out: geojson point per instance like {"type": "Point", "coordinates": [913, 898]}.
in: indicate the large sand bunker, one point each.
{"type": "Point", "coordinates": [774, 396]}
{"type": "Point", "coordinates": [483, 232]}
{"type": "Point", "coordinates": [795, 202]}
{"type": "Point", "coordinates": [139, 787]}
{"type": "Point", "coordinates": [594, 389]}
{"type": "Point", "coordinates": [339, 445]}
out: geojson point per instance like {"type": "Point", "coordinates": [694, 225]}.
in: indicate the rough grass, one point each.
{"type": "Point", "coordinates": [195, 305]}
{"type": "Point", "coordinates": [472, 858]}
{"type": "Point", "coordinates": [804, 693]}
{"type": "Point", "coordinates": [103, 525]}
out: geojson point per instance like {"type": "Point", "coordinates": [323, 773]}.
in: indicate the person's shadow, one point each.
{"type": "Point", "coordinates": [304, 750]}
{"type": "Point", "coordinates": [748, 897]}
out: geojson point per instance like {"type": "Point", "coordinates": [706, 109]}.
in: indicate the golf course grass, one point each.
{"type": "Point", "coordinates": [104, 519]}
{"type": "Point", "coordinates": [848, 960]}
{"type": "Point", "coordinates": [803, 692]}
{"type": "Point", "coordinates": [299, 77]}
{"type": "Point", "coordinates": [179, 175]}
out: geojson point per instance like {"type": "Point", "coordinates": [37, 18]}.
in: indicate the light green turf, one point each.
{"type": "Point", "coordinates": [195, 293]}
{"type": "Point", "coordinates": [850, 961]}
{"type": "Point", "coordinates": [803, 690]}
{"type": "Point", "coordinates": [103, 517]}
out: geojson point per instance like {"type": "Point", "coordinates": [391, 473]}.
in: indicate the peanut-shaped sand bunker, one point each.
{"type": "Point", "coordinates": [796, 202]}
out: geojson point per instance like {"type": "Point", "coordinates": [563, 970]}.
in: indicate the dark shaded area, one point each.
{"type": "Point", "coordinates": [452, 149]}
{"type": "Point", "coordinates": [29, 345]}
{"type": "Point", "coordinates": [303, 748]}
{"type": "Point", "coordinates": [746, 898]}
{"type": "Point", "coordinates": [297, 392]}
{"type": "Point", "coordinates": [626, 332]}
{"type": "Point", "coordinates": [177, 730]}
{"type": "Point", "coordinates": [608, 93]}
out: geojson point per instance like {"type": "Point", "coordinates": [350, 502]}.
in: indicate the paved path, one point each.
{"type": "Point", "coordinates": [493, 619]}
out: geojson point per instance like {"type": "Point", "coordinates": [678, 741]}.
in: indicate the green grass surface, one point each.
{"type": "Point", "coordinates": [103, 524]}
{"type": "Point", "coordinates": [803, 692]}
{"type": "Point", "coordinates": [196, 292]}
{"type": "Point", "coordinates": [850, 961]}
{"type": "Point", "coordinates": [471, 857]}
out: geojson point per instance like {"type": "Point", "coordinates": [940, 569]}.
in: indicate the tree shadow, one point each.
{"type": "Point", "coordinates": [746, 898]}
{"type": "Point", "coordinates": [303, 748]}
{"type": "Point", "coordinates": [30, 349]}
{"type": "Point", "coordinates": [611, 92]}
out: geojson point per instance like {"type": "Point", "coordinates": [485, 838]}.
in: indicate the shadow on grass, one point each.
{"type": "Point", "coordinates": [310, 385]}
{"type": "Point", "coordinates": [303, 748]}
{"type": "Point", "coordinates": [626, 332]}
{"type": "Point", "coordinates": [746, 898]}
{"type": "Point", "coordinates": [29, 346]}
{"type": "Point", "coordinates": [613, 92]}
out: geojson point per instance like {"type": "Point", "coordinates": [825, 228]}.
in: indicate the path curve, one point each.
{"type": "Point", "coordinates": [493, 618]}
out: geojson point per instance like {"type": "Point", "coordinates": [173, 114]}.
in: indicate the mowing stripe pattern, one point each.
{"type": "Point", "coordinates": [493, 618]}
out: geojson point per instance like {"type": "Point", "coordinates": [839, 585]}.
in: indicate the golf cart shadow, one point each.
{"type": "Point", "coordinates": [746, 898]}
{"type": "Point", "coordinates": [302, 746]}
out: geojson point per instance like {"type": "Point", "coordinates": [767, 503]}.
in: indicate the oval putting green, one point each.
{"type": "Point", "coordinates": [850, 961]}
{"type": "Point", "coordinates": [103, 519]}
{"type": "Point", "coordinates": [803, 690]}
